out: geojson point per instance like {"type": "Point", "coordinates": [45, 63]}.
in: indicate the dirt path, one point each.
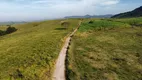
{"type": "Point", "coordinates": [59, 73]}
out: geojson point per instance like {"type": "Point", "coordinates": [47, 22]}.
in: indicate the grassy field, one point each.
{"type": "Point", "coordinates": [131, 21]}
{"type": "Point", "coordinates": [31, 51]}
{"type": "Point", "coordinates": [105, 50]}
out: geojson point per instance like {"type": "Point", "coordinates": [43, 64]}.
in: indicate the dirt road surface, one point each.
{"type": "Point", "coordinates": [59, 73]}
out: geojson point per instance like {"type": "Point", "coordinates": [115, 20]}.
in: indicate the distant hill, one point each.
{"type": "Point", "coordinates": [11, 23]}
{"type": "Point", "coordinates": [91, 16]}
{"type": "Point", "coordinates": [135, 13]}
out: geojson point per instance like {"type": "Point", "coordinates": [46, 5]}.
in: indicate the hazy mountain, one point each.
{"type": "Point", "coordinates": [135, 13]}
{"type": "Point", "coordinates": [11, 23]}
{"type": "Point", "coordinates": [91, 16]}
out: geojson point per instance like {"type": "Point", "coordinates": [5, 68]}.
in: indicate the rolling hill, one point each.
{"type": "Point", "coordinates": [135, 13]}
{"type": "Point", "coordinates": [30, 52]}
{"type": "Point", "coordinates": [91, 16]}
{"type": "Point", "coordinates": [106, 50]}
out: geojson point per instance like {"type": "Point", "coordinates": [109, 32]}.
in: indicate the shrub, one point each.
{"type": "Point", "coordinates": [90, 22]}
{"type": "Point", "coordinates": [10, 30]}
{"type": "Point", "coordinates": [2, 32]}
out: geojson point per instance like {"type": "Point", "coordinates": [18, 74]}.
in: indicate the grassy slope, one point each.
{"type": "Point", "coordinates": [131, 21]}
{"type": "Point", "coordinates": [100, 51]}
{"type": "Point", "coordinates": [3, 28]}
{"type": "Point", "coordinates": [30, 52]}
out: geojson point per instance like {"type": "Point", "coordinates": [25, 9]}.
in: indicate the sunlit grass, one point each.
{"type": "Point", "coordinates": [131, 21]}
{"type": "Point", "coordinates": [31, 51]}
{"type": "Point", "coordinates": [105, 54]}
{"type": "Point", "coordinates": [101, 25]}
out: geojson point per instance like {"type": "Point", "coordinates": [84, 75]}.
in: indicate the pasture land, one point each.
{"type": "Point", "coordinates": [105, 49]}
{"type": "Point", "coordinates": [30, 52]}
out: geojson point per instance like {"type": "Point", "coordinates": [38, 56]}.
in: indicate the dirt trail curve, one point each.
{"type": "Point", "coordinates": [59, 73]}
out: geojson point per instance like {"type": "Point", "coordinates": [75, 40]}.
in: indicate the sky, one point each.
{"type": "Point", "coordinates": [29, 10]}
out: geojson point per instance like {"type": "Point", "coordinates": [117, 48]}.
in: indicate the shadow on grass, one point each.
{"type": "Point", "coordinates": [60, 28]}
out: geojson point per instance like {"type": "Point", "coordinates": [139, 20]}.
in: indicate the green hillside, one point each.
{"type": "Point", "coordinates": [106, 49]}
{"type": "Point", "coordinates": [102, 49]}
{"type": "Point", "coordinates": [135, 13]}
{"type": "Point", "coordinates": [31, 51]}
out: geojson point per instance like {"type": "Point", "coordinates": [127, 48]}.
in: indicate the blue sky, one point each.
{"type": "Point", "coordinates": [28, 10]}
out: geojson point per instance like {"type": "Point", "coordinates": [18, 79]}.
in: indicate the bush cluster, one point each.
{"type": "Point", "coordinates": [2, 32]}
{"type": "Point", "coordinates": [91, 22]}
{"type": "Point", "coordinates": [8, 31]}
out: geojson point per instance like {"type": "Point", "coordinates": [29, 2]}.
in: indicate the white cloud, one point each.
{"type": "Point", "coordinates": [40, 9]}
{"type": "Point", "coordinates": [111, 2]}
{"type": "Point", "coordinates": [81, 7]}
